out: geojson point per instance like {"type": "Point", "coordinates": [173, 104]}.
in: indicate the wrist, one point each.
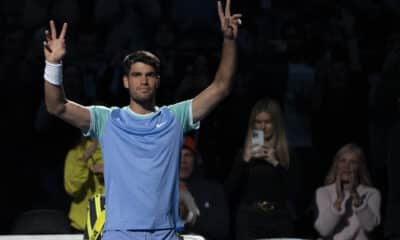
{"type": "Point", "coordinates": [229, 41]}
{"type": "Point", "coordinates": [357, 203]}
{"type": "Point", "coordinates": [338, 204]}
{"type": "Point", "coordinates": [53, 61]}
{"type": "Point", "coordinates": [53, 73]}
{"type": "Point", "coordinates": [273, 161]}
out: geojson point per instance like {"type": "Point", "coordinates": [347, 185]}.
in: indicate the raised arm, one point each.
{"type": "Point", "coordinates": [57, 104]}
{"type": "Point", "coordinates": [220, 87]}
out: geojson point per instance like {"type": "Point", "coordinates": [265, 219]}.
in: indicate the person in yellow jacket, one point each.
{"type": "Point", "coordinates": [83, 177]}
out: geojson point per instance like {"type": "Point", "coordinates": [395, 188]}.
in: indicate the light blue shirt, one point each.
{"type": "Point", "coordinates": [141, 163]}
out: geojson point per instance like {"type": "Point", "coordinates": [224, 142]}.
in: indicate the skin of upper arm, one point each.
{"type": "Point", "coordinates": [76, 115]}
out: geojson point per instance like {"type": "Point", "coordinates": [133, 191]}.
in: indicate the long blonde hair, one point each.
{"type": "Point", "coordinates": [272, 107]}
{"type": "Point", "coordinates": [363, 173]}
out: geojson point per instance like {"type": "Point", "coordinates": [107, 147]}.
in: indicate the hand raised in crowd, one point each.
{"type": "Point", "coordinates": [270, 154]}
{"type": "Point", "coordinates": [229, 23]}
{"type": "Point", "coordinates": [97, 168]}
{"type": "Point", "coordinates": [339, 192]}
{"type": "Point", "coordinates": [265, 152]}
{"type": "Point", "coordinates": [355, 196]}
{"type": "Point", "coordinates": [54, 47]}
{"type": "Point", "coordinates": [89, 151]}
{"type": "Point", "coordinates": [188, 208]}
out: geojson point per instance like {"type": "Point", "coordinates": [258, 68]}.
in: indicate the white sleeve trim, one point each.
{"type": "Point", "coordinates": [193, 125]}
{"type": "Point", "coordinates": [91, 125]}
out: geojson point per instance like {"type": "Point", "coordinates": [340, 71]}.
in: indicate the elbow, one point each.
{"type": "Point", "coordinates": [224, 88]}
{"type": "Point", "coordinates": [55, 110]}
{"type": "Point", "coordinates": [225, 92]}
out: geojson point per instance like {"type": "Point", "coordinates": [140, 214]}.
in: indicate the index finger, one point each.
{"type": "Point", "coordinates": [228, 8]}
{"type": "Point", "coordinates": [53, 30]}
{"type": "Point", "coordinates": [220, 12]}
{"type": "Point", "coordinates": [63, 30]}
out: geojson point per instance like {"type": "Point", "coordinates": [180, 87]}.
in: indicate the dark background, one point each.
{"type": "Point", "coordinates": [361, 107]}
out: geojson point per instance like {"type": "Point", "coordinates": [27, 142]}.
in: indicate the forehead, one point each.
{"type": "Point", "coordinates": [186, 151]}
{"type": "Point", "coordinates": [349, 155]}
{"type": "Point", "coordinates": [262, 116]}
{"type": "Point", "coordinates": [141, 67]}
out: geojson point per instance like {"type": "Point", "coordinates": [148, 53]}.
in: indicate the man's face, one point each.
{"type": "Point", "coordinates": [142, 82]}
{"type": "Point", "coordinates": [187, 163]}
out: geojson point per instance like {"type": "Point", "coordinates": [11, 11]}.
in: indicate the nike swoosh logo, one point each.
{"type": "Point", "coordinates": [158, 125]}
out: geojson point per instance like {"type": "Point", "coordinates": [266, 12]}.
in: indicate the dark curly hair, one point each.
{"type": "Point", "coordinates": [142, 56]}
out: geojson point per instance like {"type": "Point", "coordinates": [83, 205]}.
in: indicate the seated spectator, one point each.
{"type": "Point", "coordinates": [257, 183]}
{"type": "Point", "coordinates": [348, 207]}
{"type": "Point", "coordinates": [83, 177]}
{"type": "Point", "coordinates": [203, 207]}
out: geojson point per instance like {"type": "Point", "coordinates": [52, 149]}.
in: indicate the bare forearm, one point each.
{"type": "Point", "coordinates": [54, 98]}
{"type": "Point", "coordinates": [220, 87]}
{"type": "Point", "coordinates": [69, 111]}
{"type": "Point", "coordinates": [226, 69]}
{"type": "Point", "coordinates": [208, 99]}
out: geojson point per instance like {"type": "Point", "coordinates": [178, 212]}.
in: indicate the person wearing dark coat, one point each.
{"type": "Point", "coordinates": [204, 208]}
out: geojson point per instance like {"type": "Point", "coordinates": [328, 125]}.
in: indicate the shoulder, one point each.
{"type": "Point", "coordinates": [179, 106]}
{"type": "Point", "coordinates": [368, 190]}
{"type": "Point", "coordinates": [100, 108]}
{"type": "Point", "coordinates": [100, 111]}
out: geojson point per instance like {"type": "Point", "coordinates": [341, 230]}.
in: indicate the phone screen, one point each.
{"type": "Point", "coordinates": [257, 138]}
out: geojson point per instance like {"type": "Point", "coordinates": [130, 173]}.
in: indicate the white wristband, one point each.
{"type": "Point", "coordinates": [53, 73]}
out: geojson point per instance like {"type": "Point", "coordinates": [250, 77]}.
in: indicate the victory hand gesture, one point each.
{"type": "Point", "coordinates": [54, 48]}
{"type": "Point", "coordinates": [229, 23]}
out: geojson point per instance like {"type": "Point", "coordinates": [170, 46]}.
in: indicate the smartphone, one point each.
{"type": "Point", "coordinates": [257, 137]}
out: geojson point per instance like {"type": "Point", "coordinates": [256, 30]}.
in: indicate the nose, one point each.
{"type": "Point", "coordinates": [144, 80]}
{"type": "Point", "coordinates": [347, 165]}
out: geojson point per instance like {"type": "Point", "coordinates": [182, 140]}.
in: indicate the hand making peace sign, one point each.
{"type": "Point", "coordinates": [54, 48]}
{"type": "Point", "coordinates": [229, 23]}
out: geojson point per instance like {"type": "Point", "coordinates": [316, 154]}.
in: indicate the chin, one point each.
{"type": "Point", "coordinates": [143, 99]}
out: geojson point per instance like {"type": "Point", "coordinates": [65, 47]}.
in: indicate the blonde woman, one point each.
{"type": "Point", "coordinates": [258, 179]}
{"type": "Point", "coordinates": [348, 206]}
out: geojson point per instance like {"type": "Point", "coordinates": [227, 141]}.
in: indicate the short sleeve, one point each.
{"type": "Point", "coordinates": [183, 112]}
{"type": "Point", "coordinates": [99, 116]}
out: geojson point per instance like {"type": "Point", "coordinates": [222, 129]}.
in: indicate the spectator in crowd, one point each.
{"type": "Point", "coordinates": [348, 206]}
{"type": "Point", "coordinates": [83, 177]}
{"type": "Point", "coordinates": [205, 209]}
{"type": "Point", "coordinates": [259, 177]}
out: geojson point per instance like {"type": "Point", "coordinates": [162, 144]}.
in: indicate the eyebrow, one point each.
{"type": "Point", "coordinates": [145, 73]}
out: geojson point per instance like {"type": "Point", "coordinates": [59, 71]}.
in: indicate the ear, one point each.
{"type": "Point", "coordinates": [126, 81]}
{"type": "Point", "coordinates": [158, 82]}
